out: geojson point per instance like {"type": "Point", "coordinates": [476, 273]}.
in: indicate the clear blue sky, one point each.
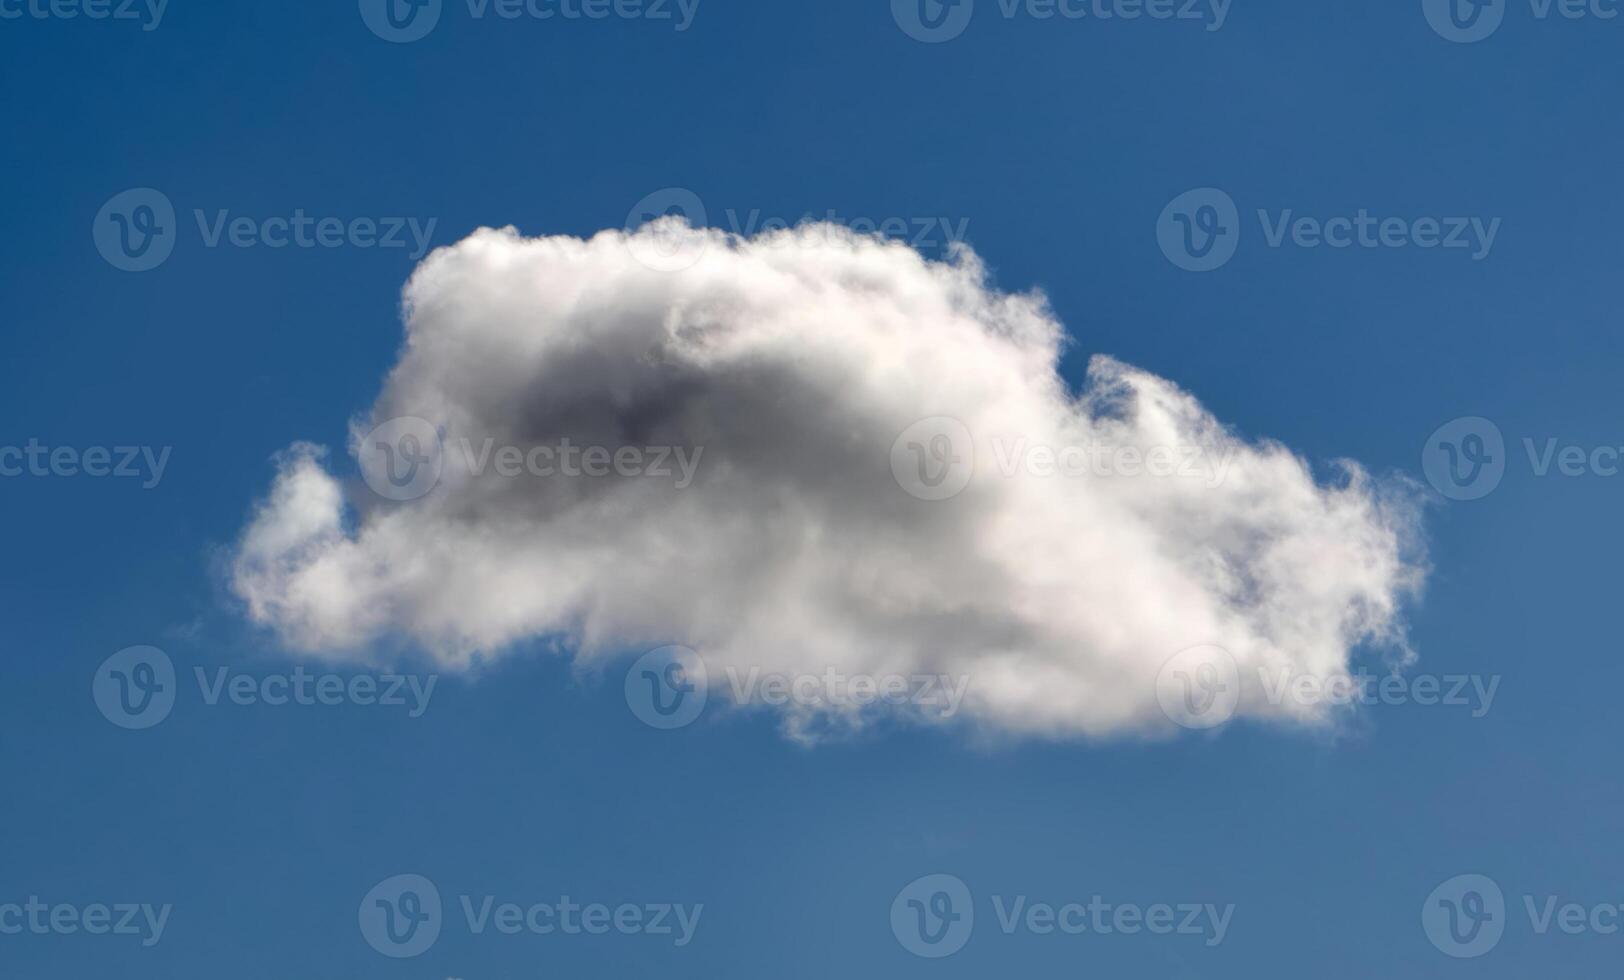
{"type": "Point", "coordinates": [1059, 142]}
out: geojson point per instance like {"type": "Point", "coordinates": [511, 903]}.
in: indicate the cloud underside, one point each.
{"type": "Point", "coordinates": [794, 360]}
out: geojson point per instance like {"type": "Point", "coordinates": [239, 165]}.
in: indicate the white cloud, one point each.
{"type": "Point", "coordinates": [793, 361]}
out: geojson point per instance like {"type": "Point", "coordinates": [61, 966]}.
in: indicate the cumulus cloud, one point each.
{"type": "Point", "coordinates": [888, 477]}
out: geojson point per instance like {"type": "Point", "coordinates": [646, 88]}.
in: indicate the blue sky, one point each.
{"type": "Point", "coordinates": [1056, 144]}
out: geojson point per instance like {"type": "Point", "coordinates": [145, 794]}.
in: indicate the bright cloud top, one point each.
{"type": "Point", "coordinates": [788, 368]}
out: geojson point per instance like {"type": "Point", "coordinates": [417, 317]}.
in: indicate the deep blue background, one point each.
{"type": "Point", "coordinates": [1060, 142]}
